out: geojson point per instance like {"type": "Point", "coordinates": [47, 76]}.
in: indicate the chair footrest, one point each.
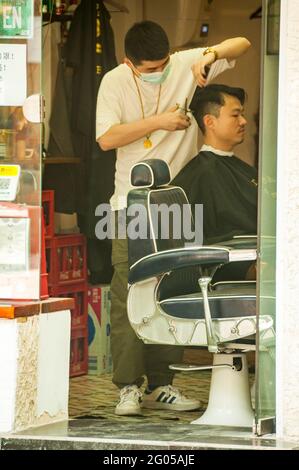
{"type": "Point", "coordinates": [188, 367]}
{"type": "Point", "coordinates": [194, 367]}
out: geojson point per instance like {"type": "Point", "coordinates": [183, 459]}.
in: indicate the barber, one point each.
{"type": "Point", "coordinates": [143, 112]}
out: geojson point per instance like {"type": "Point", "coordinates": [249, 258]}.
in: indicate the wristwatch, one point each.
{"type": "Point", "coordinates": [209, 50]}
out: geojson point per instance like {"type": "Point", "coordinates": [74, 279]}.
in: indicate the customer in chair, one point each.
{"type": "Point", "coordinates": [224, 184]}
{"type": "Point", "coordinates": [142, 110]}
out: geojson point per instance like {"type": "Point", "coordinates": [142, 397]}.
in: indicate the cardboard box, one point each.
{"type": "Point", "coordinates": [65, 223]}
{"type": "Point", "coordinates": [79, 352]}
{"type": "Point", "coordinates": [99, 352]}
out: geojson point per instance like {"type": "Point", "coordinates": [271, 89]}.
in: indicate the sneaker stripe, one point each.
{"type": "Point", "coordinates": [160, 397]}
{"type": "Point", "coordinates": [168, 398]}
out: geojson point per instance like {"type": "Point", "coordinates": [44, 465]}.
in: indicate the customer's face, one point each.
{"type": "Point", "coordinates": [229, 127]}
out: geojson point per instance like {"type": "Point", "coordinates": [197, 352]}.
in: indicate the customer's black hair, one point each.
{"type": "Point", "coordinates": [146, 41]}
{"type": "Point", "coordinates": [210, 99]}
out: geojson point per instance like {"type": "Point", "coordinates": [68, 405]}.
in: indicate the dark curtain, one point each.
{"type": "Point", "coordinates": [90, 53]}
{"type": "Point", "coordinates": [63, 178]}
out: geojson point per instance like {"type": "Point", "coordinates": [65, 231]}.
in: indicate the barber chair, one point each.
{"type": "Point", "coordinates": [172, 299]}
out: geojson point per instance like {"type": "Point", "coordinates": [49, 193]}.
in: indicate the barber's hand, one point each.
{"type": "Point", "coordinates": [199, 69]}
{"type": "Point", "coordinates": [173, 120]}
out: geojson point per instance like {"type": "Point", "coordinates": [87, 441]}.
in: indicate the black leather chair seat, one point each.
{"type": "Point", "coordinates": [227, 303]}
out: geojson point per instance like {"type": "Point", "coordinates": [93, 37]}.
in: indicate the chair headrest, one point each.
{"type": "Point", "coordinates": [150, 173]}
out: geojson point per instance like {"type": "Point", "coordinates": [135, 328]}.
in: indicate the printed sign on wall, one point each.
{"type": "Point", "coordinates": [13, 83]}
{"type": "Point", "coordinates": [16, 19]}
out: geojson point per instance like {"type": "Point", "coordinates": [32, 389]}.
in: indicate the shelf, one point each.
{"type": "Point", "coordinates": [20, 308]}
{"type": "Point", "coordinates": [48, 18]}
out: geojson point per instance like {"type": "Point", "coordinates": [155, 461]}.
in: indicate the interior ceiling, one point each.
{"type": "Point", "coordinates": [184, 13]}
{"type": "Point", "coordinates": [188, 15]}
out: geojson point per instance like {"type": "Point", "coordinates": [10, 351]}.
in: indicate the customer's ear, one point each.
{"type": "Point", "coordinates": [209, 121]}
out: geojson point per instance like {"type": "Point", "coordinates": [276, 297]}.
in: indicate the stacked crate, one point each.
{"type": "Point", "coordinates": [67, 277]}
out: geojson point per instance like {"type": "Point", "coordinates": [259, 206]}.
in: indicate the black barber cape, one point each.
{"type": "Point", "coordinates": [227, 188]}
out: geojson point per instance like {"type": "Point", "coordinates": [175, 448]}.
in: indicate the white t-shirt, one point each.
{"type": "Point", "coordinates": [118, 103]}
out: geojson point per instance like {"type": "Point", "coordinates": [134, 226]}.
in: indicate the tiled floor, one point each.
{"type": "Point", "coordinates": [93, 424]}
{"type": "Point", "coordinates": [102, 434]}
{"type": "Point", "coordinates": [96, 396]}
{"type": "Point", "coordinates": [96, 427]}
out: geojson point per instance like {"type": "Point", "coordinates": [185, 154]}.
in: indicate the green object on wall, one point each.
{"type": "Point", "coordinates": [16, 19]}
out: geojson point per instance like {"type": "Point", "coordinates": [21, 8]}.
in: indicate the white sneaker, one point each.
{"type": "Point", "coordinates": [129, 403]}
{"type": "Point", "coordinates": [169, 398]}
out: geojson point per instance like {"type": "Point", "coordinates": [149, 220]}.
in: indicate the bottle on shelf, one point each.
{"type": "Point", "coordinates": [48, 6]}
{"type": "Point", "coordinates": [59, 7]}
{"type": "Point", "coordinates": [45, 6]}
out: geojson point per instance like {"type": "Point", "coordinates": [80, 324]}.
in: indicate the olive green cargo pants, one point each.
{"type": "Point", "coordinates": [132, 359]}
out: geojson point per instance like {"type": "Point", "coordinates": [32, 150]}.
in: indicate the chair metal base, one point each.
{"type": "Point", "coordinates": [229, 400]}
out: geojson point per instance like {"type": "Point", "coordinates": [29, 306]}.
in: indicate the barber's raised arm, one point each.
{"type": "Point", "coordinates": [232, 48]}
{"type": "Point", "coordinates": [229, 49]}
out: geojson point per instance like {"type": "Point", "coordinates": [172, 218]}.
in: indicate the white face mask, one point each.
{"type": "Point", "coordinates": [157, 78]}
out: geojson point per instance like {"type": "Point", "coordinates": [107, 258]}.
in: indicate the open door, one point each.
{"type": "Point", "coordinates": [265, 406]}
{"type": "Point", "coordinates": [21, 114]}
